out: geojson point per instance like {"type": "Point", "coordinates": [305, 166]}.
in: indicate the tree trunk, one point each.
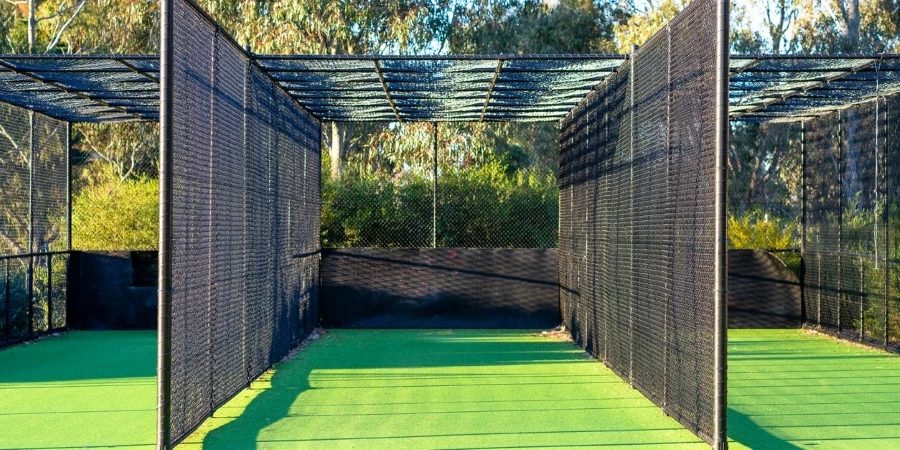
{"type": "Point", "coordinates": [32, 24]}
{"type": "Point", "coordinates": [335, 152]}
{"type": "Point", "coordinates": [850, 24]}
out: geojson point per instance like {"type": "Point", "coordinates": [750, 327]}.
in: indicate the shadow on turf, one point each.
{"type": "Point", "coordinates": [291, 380]}
{"type": "Point", "coordinates": [743, 430]}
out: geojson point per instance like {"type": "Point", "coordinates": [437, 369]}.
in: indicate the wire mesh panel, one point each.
{"type": "Point", "coordinates": [33, 222]}
{"type": "Point", "coordinates": [15, 173]}
{"type": "Point", "coordinates": [637, 231]}
{"type": "Point", "coordinates": [50, 184]}
{"type": "Point", "coordinates": [849, 178]}
{"type": "Point", "coordinates": [245, 228]}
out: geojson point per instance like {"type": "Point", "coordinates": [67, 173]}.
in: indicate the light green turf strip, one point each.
{"type": "Point", "coordinates": [790, 389]}
{"type": "Point", "coordinates": [421, 389]}
{"type": "Point", "coordinates": [81, 389]}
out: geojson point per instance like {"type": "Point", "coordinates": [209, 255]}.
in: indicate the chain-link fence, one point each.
{"type": "Point", "coordinates": [490, 192]}
{"type": "Point", "coordinates": [637, 241]}
{"type": "Point", "coordinates": [34, 218]}
{"type": "Point", "coordinates": [851, 207]}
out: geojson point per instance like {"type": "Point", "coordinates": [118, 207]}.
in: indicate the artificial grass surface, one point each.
{"type": "Point", "coordinates": [790, 389]}
{"type": "Point", "coordinates": [395, 389]}
{"type": "Point", "coordinates": [80, 389]}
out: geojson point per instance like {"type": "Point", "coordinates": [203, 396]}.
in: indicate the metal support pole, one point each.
{"type": "Point", "coordinates": [6, 314]}
{"type": "Point", "coordinates": [49, 292]}
{"type": "Point", "coordinates": [840, 262]}
{"type": "Point", "coordinates": [669, 235]}
{"type": "Point", "coordinates": [803, 222]}
{"type": "Point", "coordinates": [69, 185]}
{"type": "Point", "coordinates": [887, 238]}
{"type": "Point", "coordinates": [30, 273]}
{"type": "Point", "coordinates": [720, 355]}
{"type": "Point", "coordinates": [862, 296]}
{"type": "Point", "coordinates": [631, 112]}
{"type": "Point", "coordinates": [164, 349]}
{"type": "Point", "coordinates": [434, 188]}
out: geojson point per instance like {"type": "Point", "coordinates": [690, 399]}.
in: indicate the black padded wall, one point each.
{"type": "Point", "coordinates": [440, 288]}
{"type": "Point", "coordinates": [245, 220]}
{"type": "Point", "coordinates": [637, 231]}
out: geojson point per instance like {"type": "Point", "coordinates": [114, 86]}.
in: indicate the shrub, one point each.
{"type": "Point", "coordinates": [116, 215]}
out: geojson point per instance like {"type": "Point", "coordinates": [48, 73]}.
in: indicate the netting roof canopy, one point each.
{"type": "Point", "coordinates": [83, 88]}
{"type": "Point", "coordinates": [440, 88]}
{"type": "Point", "coordinates": [471, 88]}
{"type": "Point", "coordinates": [789, 87]}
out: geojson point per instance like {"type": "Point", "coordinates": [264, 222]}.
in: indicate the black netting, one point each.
{"type": "Point", "coordinates": [33, 222]}
{"type": "Point", "coordinates": [636, 245]}
{"type": "Point", "coordinates": [849, 255]}
{"type": "Point", "coordinates": [245, 206]}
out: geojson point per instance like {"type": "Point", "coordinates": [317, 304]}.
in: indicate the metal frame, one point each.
{"type": "Point", "coordinates": [166, 175]}
{"type": "Point", "coordinates": [720, 405]}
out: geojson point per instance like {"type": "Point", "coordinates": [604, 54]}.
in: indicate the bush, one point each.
{"type": "Point", "coordinates": [477, 207]}
{"type": "Point", "coordinates": [755, 232]}
{"type": "Point", "coordinates": [116, 215]}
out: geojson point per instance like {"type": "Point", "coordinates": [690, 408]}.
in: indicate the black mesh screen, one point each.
{"type": "Point", "coordinates": [851, 207]}
{"type": "Point", "coordinates": [246, 221]}
{"type": "Point", "coordinates": [33, 223]}
{"type": "Point", "coordinates": [637, 214]}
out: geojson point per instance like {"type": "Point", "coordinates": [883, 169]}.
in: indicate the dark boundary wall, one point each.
{"type": "Point", "coordinates": [112, 290]}
{"type": "Point", "coordinates": [240, 208]}
{"type": "Point", "coordinates": [851, 219]}
{"type": "Point", "coordinates": [762, 291]}
{"type": "Point", "coordinates": [642, 239]}
{"type": "Point", "coordinates": [440, 288]}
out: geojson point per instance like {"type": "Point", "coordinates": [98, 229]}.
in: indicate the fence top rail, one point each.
{"type": "Point", "coordinates": [34, 254]}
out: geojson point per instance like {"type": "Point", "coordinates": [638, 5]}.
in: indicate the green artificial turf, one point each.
{"type": "Point", "coordinates": [395, 389]}
{"type": "Point", "coordinates": [418, 389]}
{"type": "Point", "coordinates": [790, 389]}
{"type": "Point", "coordinates": [80, 389]}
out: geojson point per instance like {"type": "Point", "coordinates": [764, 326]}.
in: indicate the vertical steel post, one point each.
{"type": "Point", "coordinates": [6, 313]}
{"type": "Point", "coordinates": [840, 259]}
{"type": "Point", "coordinates": [49, 292]}
{"type": "Point", "coordinates": [631, 112]}
{"type": "Point", "coordinates": [669, 236]}
{"type": "Point", "coordinates": [802, 222]}
{"type": "Point", "coordinates": [887, 236]}
{"type": "Point", "coordinates": [164, 349]}
{"type": "Point", "coordinates": [69, 185]}
{"type": "Point", "coordinates": [30, 273]}
{"type": "Point", "coordinates": [434, 188]}
{"type": "Point", "coordinates": [720, 405]}
{"type": "Point", "coordinates": [862, 295]}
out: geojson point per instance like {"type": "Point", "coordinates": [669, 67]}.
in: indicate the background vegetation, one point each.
{"type": "Point", "coordinates": [117, 164]}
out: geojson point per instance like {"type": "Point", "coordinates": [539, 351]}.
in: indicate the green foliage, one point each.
{"type": "Point", "coordinates": [116, 215]}
{"type": "Point", "coordinates": [756, 231]}
{"type": "Point", "coordinates": [753, 231]}
{"type": "Point", "coordinates": [481, 206]}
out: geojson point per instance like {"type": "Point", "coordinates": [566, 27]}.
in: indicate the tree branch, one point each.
{"type": "Point", "coordinates": [58, 34]}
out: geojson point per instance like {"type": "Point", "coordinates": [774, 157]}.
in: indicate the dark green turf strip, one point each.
{"type": "Point", "coordinates": [81, 389]}
{"type": "Point", "coordinates": [417, 389]}
{"type": "Point", "coordinates": [792, 389]}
